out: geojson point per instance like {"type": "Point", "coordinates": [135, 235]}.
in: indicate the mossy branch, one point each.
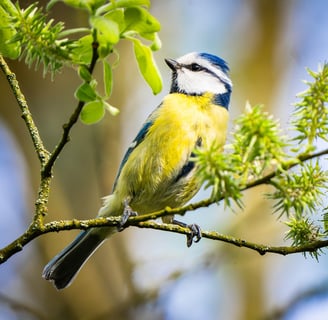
{"type": "Point", "coordinates": [46, 158]}
{"type": "Point", "coordinates": [142, 222]}
{"type": "Point", "coordinates": [35, 230]}
{"type": "Point", "coordinates": [39, 148]}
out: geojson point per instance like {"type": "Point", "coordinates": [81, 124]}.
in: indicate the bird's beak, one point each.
{"type": "Point", "coordinates": [173, 64]}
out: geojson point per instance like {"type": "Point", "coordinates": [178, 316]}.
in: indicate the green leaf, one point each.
{"type": "Point", "coordinates": [300, 192]}
{"type": "Point", "coordinates": [38, 38]}
{"type": "Point", "coordinates": [258, 141]}
{"type": "Point", "coordinates": [122, 4]}
{"type": "Point", "coordinates": [85, 92]}
{"type": "Point", "coordinates": [9, 8]}
{"type": "Point", "coordinates": [311, 116]}
{"type": "Point", "coordinates": [82, 51]}
{"type": "Point", "coordinates": [108, 78]}
{"type": "Point", "coordinates": [84, 73]}
{"type": "Point", "coordinates": [139, 20]}
{"type": "Point", "coordinates": [302, 231]}
{"type": "Point", "coordinates": [8, 48]}
{"type": "Point", "coordinates": [157, 44]}
{"type": "Point", "coordinates": [104, 50]}
{"type": "Point", "coordinates": [217, 170]}
{"type": "Point", "coordinates": [69, 32]}
{"type": "Point", "coordinates": [116, 16]}
{"type": "Point", "coordinates": [92, 112]}
{"type": "Point", "coordinates": [79, 4]}
{"type": "Point", "coordinates": [89, 5]}
{"type": "Point", "coordinates": [147, 66]}
{"type": "Point", "coordinates": [108, 34]}
{"type": "Point", "coordinates": [131, 3]}
{"type": "Point", "coordinates": [108, 31]}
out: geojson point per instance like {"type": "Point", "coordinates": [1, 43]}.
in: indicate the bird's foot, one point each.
{"type": "Point", "coordinates": [127, 213]}
{"type": "Point", "coordinates": [195, 232]}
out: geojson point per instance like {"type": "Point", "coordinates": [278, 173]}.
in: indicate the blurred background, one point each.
{"type": "Point", "coordinates": [145, 274]}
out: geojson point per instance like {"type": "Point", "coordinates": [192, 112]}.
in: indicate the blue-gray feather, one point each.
{"type": "Point", "coordinates": [137, 140]}
{"type": "Point", "coordinates": [190, 164]}
{"type": "Point", "coordinates": [215, 61]}
{"type": "Point", "coordinates": [65, 265]}
{"type": "Point", "coordinates": [223, 99]}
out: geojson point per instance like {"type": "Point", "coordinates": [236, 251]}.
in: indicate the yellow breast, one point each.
{"type": "Point", "coordinates": [177, 124]}
{"type": "Point", "coordinates": [183, 118]}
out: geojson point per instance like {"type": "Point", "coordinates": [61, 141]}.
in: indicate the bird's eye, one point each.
{"type": "Point", "coordinates": [195, 67]}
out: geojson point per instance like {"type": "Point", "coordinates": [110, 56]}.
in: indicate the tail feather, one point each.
{"type": "Point", "coordinates": [63, 268]}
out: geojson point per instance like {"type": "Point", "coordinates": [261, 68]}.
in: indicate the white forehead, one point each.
{"type": "Point", "coordinates": [194, 57]}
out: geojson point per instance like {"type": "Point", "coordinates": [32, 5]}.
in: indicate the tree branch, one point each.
{"type": "Point", "coordinates": [41, 204]}
{"type": "Point", "coordinates": [260, 248]}
{"type": "Point", "coordinates": [143, 222]}
{"type": "Point", "coordinates": [47, 169]}
{"type": "Point", "coordinates": [46, 159]}
{"type": "Point", "coordinates": [41, 151]}
{"type": "Point", "coordinates": [35, 229]}
{"type": "Point", "coordinates": [301, 158]}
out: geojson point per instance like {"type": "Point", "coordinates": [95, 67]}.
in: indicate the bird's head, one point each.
{"type": "Point", "coordinates": [199, 73]}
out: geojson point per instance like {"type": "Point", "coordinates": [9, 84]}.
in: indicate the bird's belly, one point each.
{"type": "Point", "coordinates": [153, 175]}
{"type": "Point", "coordinates": [156, 185]}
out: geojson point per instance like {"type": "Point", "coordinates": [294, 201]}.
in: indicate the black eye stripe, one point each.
{"type": "Point", "coordinates": [215, 75]}
{"type": "Point", "coordinates": [195, 67]}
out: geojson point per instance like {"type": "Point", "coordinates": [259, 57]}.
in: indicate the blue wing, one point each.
{"type": "Point", "coordinates": [223, 99]}
{"type": "Point", "coordinates": [190, 164]}
{"type": "Point", "coordinates": [137, 140]}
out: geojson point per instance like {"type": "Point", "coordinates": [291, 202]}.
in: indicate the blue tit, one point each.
{"type": "Point", "coordinates": [157, 170]}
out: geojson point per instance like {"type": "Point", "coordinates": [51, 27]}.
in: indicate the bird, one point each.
{"type": "Point", "coordinates": [158, 169]}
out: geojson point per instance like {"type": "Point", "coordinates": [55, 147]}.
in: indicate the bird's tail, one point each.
{"type": "Point", "coordinates": [63, 268]}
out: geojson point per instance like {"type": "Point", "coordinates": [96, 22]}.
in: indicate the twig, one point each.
{"type": "Point", "coordinates": [41, 203]}
{"type": "Point", "coordinates": [141, 222]}
{"type": "Point", "coordinates": [41, 151]}
{"type": "Point", "coordinates": [302, 158]}
{"type": "Point", "coordinates": [260, 248]}
{"type": "Point", "coordinates": [47, 169]}
{"type": "Point", "coordinates": [46, 159]}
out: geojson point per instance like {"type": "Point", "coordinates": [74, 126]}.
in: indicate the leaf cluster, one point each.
{"type": "Point", "coordinates": [256, 148]}
{"type": "Point", "coordinates": [259, 154]}
{"type": "Point", "coordinates": [311, 112]}
{"type": "Point", "coordinates": [258, 144]}
{"type": "Point", "coordinates": [217, 170]}
{"type": "Point", "coordinates": [300, 192]}
{"type": "Point", "coordinates": [28, 33]}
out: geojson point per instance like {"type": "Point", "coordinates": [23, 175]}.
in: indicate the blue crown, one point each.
{"type": "Point", "coordinates": [216, 61]}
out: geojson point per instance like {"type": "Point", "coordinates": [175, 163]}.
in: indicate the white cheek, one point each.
{"type": "Point", "coordinates": [199, 82]}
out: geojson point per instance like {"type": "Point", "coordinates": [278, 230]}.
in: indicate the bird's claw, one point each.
{"type": "Point", "coordinates": [195, 232]}
{"type": "Point", "coordinates": [127, 213]}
